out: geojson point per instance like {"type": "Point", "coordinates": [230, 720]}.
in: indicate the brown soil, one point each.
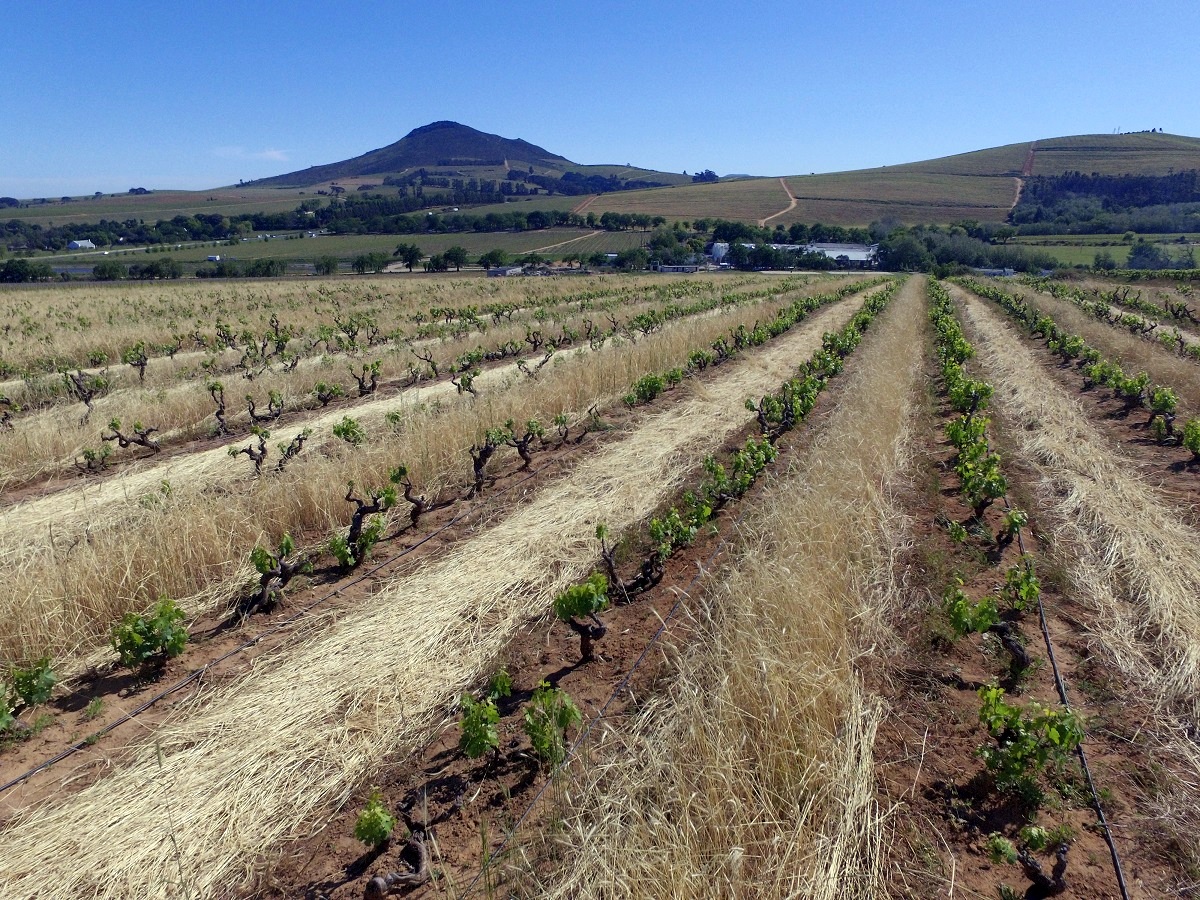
{"type": "Point", "coordinates": [1168, 466]}
{"type": "Point", "coordinates": [463, 804]}
{"type": "Point", "coordinates": [224, 647]}
{"type": "Point", "coordinates": [309, 600]}
{"type": "Point", "coordinates": [926, 749]}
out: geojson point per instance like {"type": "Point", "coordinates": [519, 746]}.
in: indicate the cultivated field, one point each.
{"type": "Point", "coordinates": [747, 200]}
{"type": "Point", "coordinates": [300, 251]}
{"type": "Point", "coordinates": [162, 204]}
{"type": "Point", "coordinates": [736, 585]}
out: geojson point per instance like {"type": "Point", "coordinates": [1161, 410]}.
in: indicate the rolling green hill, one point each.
{"type": "Point", "coordinates": [981, 185]}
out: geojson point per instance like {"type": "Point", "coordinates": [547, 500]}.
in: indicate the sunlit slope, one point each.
{"type": "Point", "coordinates": [980, 185]}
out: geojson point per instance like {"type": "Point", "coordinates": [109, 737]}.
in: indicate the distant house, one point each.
{"type": "Point", "coordinates": [687, 269]}
{"type": "Point", "coordinates": [850, 256]}
{"type": "Point", "coordinates": [504, 271]}
{"type": "Point", "coordinates": [81, 245]}
{"type": "Point", "coordinates": [853, 256]}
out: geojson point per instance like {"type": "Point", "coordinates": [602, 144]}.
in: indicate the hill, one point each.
{"type": "Point", "coordinates": [439, 144]}
{"type": "Point", "coordinates": [980, 185]}
{"type": "Point", "coordinates": [450, 149]}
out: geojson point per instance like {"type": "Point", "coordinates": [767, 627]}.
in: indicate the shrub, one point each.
{"type": "Point", "coordinates": [350, 431]}
{"type": "Point", "coordinates": [142, 641]}
{"type": "Point", "coordinates": [1191, 438]}
{"type": "Point", "coordinates": [1027, 742]}
{"type": "Point", "coordinates": [645, 389]}
{"type": "Point", "coordinates": [1023, 585]}
{"type": "Point", "coordinates": [1000, 849]}
{"type": "Point", "coordinates": [584, 601]}
{"type": "Point", "coordinates": [547, 717]}
{"type": "Point", "coordinates": [479, 720]}
{"type": "Point", "coordinates": [32, 686]}
{"type": "Point", "coordinates": [969, 618]}
{"type": "Point", "coordinates": [375, 824]}
{"type": "Point", "coordinates": [500, 685]}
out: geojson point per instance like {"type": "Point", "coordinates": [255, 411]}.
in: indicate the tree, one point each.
{"type": "Point", "coordinates": [18, 270]}
{"type": "Point", "coordinates": [109, 270]}
{"type": "Point", "coordinates": [456, 256]}
{"type": "Point", "coordinates": [1104, 261]}
{"type": "Point", "coordinates": [902, 252]}
{"type": "Point", "coordinates": [493, 258]}
{"type": "Point", "coordinates": [326, 265]}
{"type": "Point", "coordinates": [738, 255]}
{"type": "Point", "coordinates": [370, 262]}
{"type": "Point", "coordinates": [410, 256]}
{"type": "Point", "coordinates": [1144, 255]}
{"type": "Point", "coordinates": [633, 260]}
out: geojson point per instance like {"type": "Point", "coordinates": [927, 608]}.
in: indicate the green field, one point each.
{"type": "Point", "coordinates": [749, 200]}
{"type": "Point", "coordinates": [228, 201]}
{"type": "Point", "coordinates": [1081, 249]}
{"type": "Point", "coordinates": [553, 243]}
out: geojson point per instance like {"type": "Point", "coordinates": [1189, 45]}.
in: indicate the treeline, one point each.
{"type": "Point", "coordinates": [951, 249]}
{"type": "Point", "coordinates": [728, 232]}
{"type": "Point", "coordinates": [1108, 204]}
{"type": "Point", "coordinates": [574, 183]}
{"type": "Point", "coordinates": [111, 270]}
{"type": "Point", "coordinates": [18, 271]}
{"type": "Point", "coordinates": [19, 235]}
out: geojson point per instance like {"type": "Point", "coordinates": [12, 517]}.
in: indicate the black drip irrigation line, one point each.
{"type": "Point", "coordinates": [246, 645]}
{"type": "Point", "coordinates": [1087, 772]}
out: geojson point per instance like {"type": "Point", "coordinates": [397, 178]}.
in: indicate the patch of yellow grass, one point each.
{"type": "Point", "coordinates": [79, 559]}
{"type": "Point", "coordinates": [752, 774]}
{"type": "Point", "coordinates": [262, 757]}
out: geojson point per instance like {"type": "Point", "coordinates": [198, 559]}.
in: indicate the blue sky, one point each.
{"type": "Point", "coordinates": [195, 95]}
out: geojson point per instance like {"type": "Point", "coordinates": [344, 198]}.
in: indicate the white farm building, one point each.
{"type": "Point", "coordinates": [81, 245]}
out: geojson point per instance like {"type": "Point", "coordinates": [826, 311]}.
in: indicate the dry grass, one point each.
{"type": "Point", "coordinates": [752, 775]}
{"type": "Point", "coordinates": [260, 758]}
{"type": "Point", "coordinates": [1133, 353]}
{"type": "Point", "coordinates": [67, 323]}
{"type": "Point", "coordinates": [175, 401]}
{"type": "Point", "coordinates": [79, 559]}
{"type": "Point", "coordinates": [1138, 563]}
{"type": "Point", "coordinates": [1131, 559]}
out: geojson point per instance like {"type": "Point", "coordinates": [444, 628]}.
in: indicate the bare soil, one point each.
{"type": "Point", "coordinates": [464, 805]}
{"type": "Point", "coordinates": [927, 746]}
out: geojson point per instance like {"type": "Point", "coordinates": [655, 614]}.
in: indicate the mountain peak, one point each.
{"type": "Point", "coordinates": [441, 143]}
{"type": "Point", "coordinates": [442, 125]}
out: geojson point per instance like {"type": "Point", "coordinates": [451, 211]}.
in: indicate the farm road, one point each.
{"type": "Point", "coordinates": [276, 750]}
{"type": "Point", "coordinates": [791, 205]}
